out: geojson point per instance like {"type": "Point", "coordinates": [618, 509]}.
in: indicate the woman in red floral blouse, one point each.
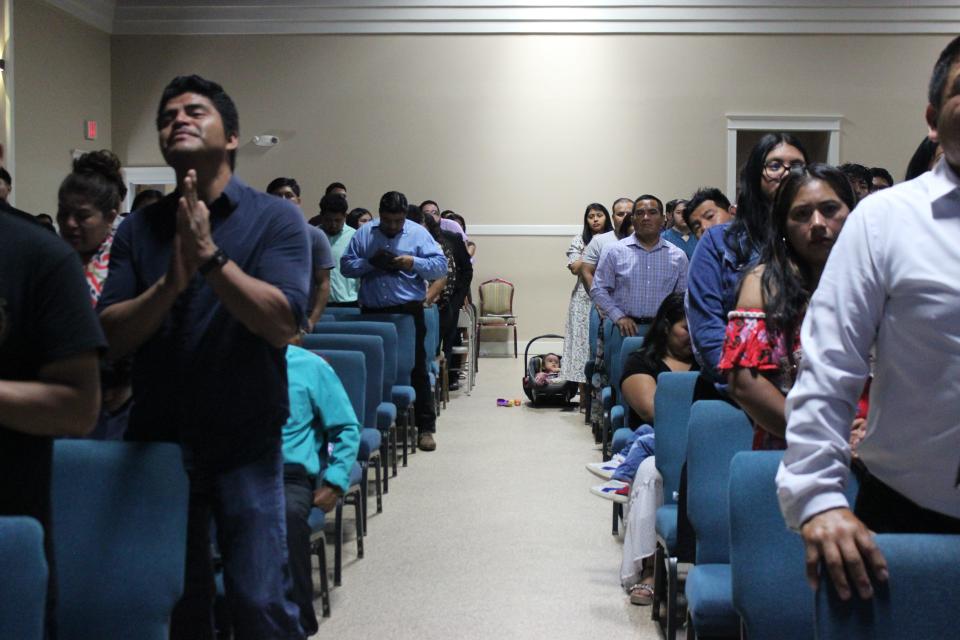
{"type": "Point", "coordinates": [761, 352]}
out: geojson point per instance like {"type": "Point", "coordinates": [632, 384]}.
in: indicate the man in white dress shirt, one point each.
{"type": "Point", "coordinates": [891, 280]}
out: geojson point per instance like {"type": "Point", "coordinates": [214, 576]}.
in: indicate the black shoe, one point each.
{"type": "Point", "coordinates": [454, 385]}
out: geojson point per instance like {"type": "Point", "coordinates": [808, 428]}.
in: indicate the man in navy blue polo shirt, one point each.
{"type": "Point", "coordinates": [394, 257]}
{"type": "Point", "coordinates": [205, 289]}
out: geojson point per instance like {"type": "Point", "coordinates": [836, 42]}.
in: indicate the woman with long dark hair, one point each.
{"type": "Point", "coordinates": [576, 345]}
{"type": "Point", "coordinates": [632, 473]}
{"type": "Point", "coordinates": [761, 352]}
{"type": "Point", "coordinates": [726, 251]}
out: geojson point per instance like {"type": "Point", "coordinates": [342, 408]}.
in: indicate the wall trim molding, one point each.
{"type": "Point", "coordinates": [523, 229]}
{"type": "Point", "coordinates": [212, 17]}
{"type": "Point", "coordinates": [96, 13]}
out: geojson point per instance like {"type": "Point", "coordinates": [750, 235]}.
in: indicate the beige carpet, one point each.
{"type": "Point", "coordinates": [494, 535]}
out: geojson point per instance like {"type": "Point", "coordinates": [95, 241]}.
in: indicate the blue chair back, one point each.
{"type": "Point", "coordinates": [671, 403]}
{"type": "Point", "coordinates": [629, 345]}
{"type": "Point", "coordinates": [23, 588]}
{"type": "Point", "coordinates": [718, 431]}
{"type": "Point", "coordinates": [342, 311]}
{"type": "Point", "coordinates": [327, 318]}
{"type": "Point", "coordinates": [406, 340]}
{"type": "Point", "coordinates": [612, 341]}
{"type": "Point", "coordinates": [120, 522]}
{"type": "Point", "coordinates": [918, 601]}
{"type": "Point", "coordinates": [372, 349]}
{"type": "Point", "coordinates": [351, 368]}
{"type": "Point", "coordinates": [770, 592]}
{"type": "Point", "coordinates": [387, 332]}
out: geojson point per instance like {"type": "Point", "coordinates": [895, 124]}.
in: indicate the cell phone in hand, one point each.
{"type": "Point", "coordinates": [383, 259]}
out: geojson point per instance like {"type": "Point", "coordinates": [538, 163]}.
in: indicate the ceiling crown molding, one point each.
{"type": "Point", "coordinates": [212, 17]}
{"type": "Point", "coordinates": [96, 13]}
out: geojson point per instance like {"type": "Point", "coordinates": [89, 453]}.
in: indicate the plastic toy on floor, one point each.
{"type": "Point", "coordinates": [541, 382]}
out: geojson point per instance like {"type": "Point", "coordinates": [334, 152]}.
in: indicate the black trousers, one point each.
{"type": "Point", "coordinates": [298, 490]}
{"type": "Point", "coordinates": [449, 316]}
{"type": "Point", "coordinates": [419, 380]}
{"type": "Point", "coordinates": [884, 510]}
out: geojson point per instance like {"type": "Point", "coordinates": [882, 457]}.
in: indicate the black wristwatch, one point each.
{"type": "Point", "coordinates": [216, 261]}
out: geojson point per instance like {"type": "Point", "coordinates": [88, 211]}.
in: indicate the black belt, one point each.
{"type": "Point", "coordinates": [645, 320]}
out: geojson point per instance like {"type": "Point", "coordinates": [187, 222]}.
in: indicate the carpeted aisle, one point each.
{"type": "Point", "coordinates": [494, 535]}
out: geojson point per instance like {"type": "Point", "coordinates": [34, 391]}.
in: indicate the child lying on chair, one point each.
{"type": "Point", "coordinates": [550, 370]}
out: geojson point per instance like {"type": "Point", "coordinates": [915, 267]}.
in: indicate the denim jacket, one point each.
{"type": "Point", "coordinates": [712, 285]}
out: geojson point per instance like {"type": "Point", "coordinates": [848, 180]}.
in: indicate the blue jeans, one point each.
{"type": "Point", "coordinates": [636, 452]}
{"type": "Point", "coordinates": [247, 506]}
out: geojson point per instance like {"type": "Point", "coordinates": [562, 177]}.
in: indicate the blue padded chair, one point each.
{"type": "Point", "coordinates": [318, 546]}
{"type": "Point", "coordinates": [350, 367]}
{"type": "Point", "coordinates": [403, 394]}
{"type": "Point", "coordinates": [120, 522]}
{"type": "Point", "coordinates": [672, 403]}
{"type": "Point", "coordinates": [718, 431]}
{"type": "Point", "coordinates": [327, 318]}
{"type": "Point", "coordinates": [918, 601]}
{"type": "Point", "coordinates": [770, 591]}
{"type": "Point", "coordinates": [617, 417]}
{"type": "Point", "coordinates": [386, 410]}
{"type": "Point", "coordinates": [371, 439]}
{"type": "Point", "coordinates": [614, 358]}
{"type": "Point", "coordinates": [342, 311]}
{"type": "Point", "coordinates": [23, 588]}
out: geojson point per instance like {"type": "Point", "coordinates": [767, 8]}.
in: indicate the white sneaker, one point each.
{"type": "Point", "coordinates": [613, 490]}
{"type": "Point", "coordinates": [605, 469]}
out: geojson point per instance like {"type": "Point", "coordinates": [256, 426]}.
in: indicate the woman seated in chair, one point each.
{"type": "Point", "coordinates": [761, 352]}
{"type": "Point", "coordinates": [634, 479]}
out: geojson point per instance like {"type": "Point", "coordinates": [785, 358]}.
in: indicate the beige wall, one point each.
{"type": "Point", "coordinates": [525, 129]}
{"type": "Point", "coordinates": [62, 77]}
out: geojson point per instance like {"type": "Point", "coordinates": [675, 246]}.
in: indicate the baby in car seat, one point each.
{"type": "Point", "coordinates": [549, 371]}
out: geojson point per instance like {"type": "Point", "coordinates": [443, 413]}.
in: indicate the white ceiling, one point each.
{"type": "Point", "coordinates": [197, 17]}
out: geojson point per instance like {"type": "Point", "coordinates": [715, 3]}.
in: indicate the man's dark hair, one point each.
{"type": "Point", "coordinates": [855, 171]}
{"type": "Point", "coordinates": [393, 202]}
{"type": "Point", "coordinates": [145, 197]}
{"type": "Point", "coordinates": [414, 213]}
{"type": "Point", "coordinates": [938, 79]}
{"type": "Point", "coordinates": [672, 205]}
{"type": "Point", "coordinates": [702, 195]}
{"type": "Point", "coordinates": [648, 196]}
{"type": "Point", "coordinates": [279, 183]}
{"type": "Point", "coordinates": [332, 186]}
{"type": "Point", "coordinates": [883, 174]}
{"type": "Point", "coordinates": [333, 203]}
{"type": "Point", "coordinates": [922, 159]}
{"type": "Point", "coordinates": [433, 202]}
{"type": "Point", "coordinates": [222, 102]}
{"type": "Point", "coordinates": [5, 176]}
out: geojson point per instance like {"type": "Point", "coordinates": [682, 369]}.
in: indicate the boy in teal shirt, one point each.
{"type": "Point", "coordinates": [322, 427]}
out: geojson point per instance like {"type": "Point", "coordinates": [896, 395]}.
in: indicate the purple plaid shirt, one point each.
{"type": "Point", "coordinates": [632, 281]}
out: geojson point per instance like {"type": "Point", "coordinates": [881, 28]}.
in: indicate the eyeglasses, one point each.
{"type": "Point", "coordinates": [776, 167]}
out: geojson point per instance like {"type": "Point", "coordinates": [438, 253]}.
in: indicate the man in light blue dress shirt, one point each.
{"type": "Point", "coordinates": [394, 258]}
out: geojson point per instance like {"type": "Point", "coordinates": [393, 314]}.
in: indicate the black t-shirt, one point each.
{"type": "Point", "coordinates": [45, 316]}
{"type": "Point", "coordinates": [636, 364]}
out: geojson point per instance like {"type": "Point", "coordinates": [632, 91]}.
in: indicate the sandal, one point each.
{"type": "Point", "coordinates": [641, 594]}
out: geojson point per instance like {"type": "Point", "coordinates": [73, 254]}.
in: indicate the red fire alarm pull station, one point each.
{"type": "Point", "coordinates": [90, 127]}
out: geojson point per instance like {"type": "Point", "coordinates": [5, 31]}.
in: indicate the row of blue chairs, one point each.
{"type": "Point", "coordinates": [748, 576]}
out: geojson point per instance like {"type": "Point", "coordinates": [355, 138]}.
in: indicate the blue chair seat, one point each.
{"type": "Point", "coordinates": [386, 415]}
{"type": "Point", "coordinates": [370, 440]}
{"type": "Point", "coordinates": [666, 524]}
{"type": "Point", "coordinates": [317, 519]}
{"type": "Point", "coordinates": [404, 396]}
{"type": "Point", "coordinates": [23, 589]}
{"type": "Point", "coordinates": [356, 472]}
{"type": "Point", "coordinates": [709, 591]}
{"type": "Point", "coordinates": [621, 437]}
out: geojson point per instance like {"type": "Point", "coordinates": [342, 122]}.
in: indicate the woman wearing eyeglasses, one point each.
{"type": "Point", "coordinates": [727, 251]}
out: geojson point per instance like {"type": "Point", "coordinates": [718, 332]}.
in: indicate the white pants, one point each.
{"type": "Point", "coordinates": [640, 518]}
